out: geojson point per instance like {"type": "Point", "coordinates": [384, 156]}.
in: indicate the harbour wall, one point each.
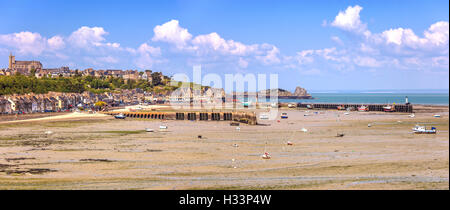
{"type": "Point", "coordinates": [245, 117]}
{"type": "Point", "coordinates": [408, 108]}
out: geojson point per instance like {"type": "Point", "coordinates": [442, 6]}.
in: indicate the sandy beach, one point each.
{"type": "Point", "coordinates": [82, 151]}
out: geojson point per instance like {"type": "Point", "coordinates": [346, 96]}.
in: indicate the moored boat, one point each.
{"type": "Point", "coordinates": [423, 130]}
{"type": "Point", "coordinates": [120, 116]}
{"type": "Point", "coordinates": [388, 108]}
{"type": "Point", "coordinates": [363, 108]}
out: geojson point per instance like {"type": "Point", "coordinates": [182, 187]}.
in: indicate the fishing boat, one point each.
{"type": "Point", "coordinates": [120, 116]}
{"type": "Point", "coordinates": [423, 130]}
{"type": "Point", "coordinates": [388, 108]}
{"type": "Point", "coordinates": [284, 115]}
{"type": "Point", "coordinates": [149, 130]}
{"type": "Point", "coordinates": [341, 107]}
{"type": "Point", "coordinates": [363, 108]}
{"type": "Point", "coordinates": [436, 115]}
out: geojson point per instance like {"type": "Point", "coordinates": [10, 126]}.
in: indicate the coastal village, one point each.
{"type": "Point", "coordinates": [59, 101]}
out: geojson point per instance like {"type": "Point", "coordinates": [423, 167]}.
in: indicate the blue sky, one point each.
{"type": "Point", "coordinates": [313, 44]}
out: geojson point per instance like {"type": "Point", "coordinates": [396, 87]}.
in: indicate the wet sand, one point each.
{"type": "Point", "coordinates": [104, 153]}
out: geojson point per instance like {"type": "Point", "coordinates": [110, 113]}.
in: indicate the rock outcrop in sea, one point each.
{"type": "Point", "coordinates": [299, 93]}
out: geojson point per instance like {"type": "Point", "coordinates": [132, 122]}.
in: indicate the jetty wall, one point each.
{"type": "Point", "coordinates": [245, 117]}
{"type": "Point", "coordinates": [372, 107]}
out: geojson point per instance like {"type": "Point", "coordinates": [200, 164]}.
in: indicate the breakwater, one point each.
{"type": "Point", "coordinates": [244, 117]}
{"type": "Point", "coordinates": [372, 107]}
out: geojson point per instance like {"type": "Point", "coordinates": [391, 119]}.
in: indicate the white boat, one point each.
{"type": "Point", "coordinates": [363, 108]}
{"type": "Point", "coordinates": [388, 108]}
{"type": "Point", "coordinates": [149, 130]}
{"type": "Point", "coordinates": [412, 115]}
{"type": "Point", "coordinates": [289, 143]}
{"type": "Point", "coordinates": [266, 155]}
{"type": "Point", "coordinates": [304, 130]}
{"type": "Point", "coordinates": [436, 115]}
{"type": "Point", "coordinates": [263, 116]}
{"type": "Point", "coordinates": [423, 130]}
{"type": "Point", "coordinates": [120, 116]}
{"type": "Point", "coordinates": [346, 113]}
{"type": "Point", "coordinates": [163, 127]}
{"type": "Point", "coordinates": [291, 105]}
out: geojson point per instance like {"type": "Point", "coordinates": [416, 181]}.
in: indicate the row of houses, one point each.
{"type": "Point", "coordinates": [54, 101]}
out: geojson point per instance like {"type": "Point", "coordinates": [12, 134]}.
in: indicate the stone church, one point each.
{"type": "Point", "coordinates": [23, 67]}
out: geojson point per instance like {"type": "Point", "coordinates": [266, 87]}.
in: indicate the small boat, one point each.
{"type": "Point", "coordinates": [120, 116]}
{"type": "Point", "coordinates": [341, 107]}
{"type": "Point", "coordinates": [309, 106]}
{"type": "Point", "coordinates": [163, 127]}
{"type": "Point", "coordinates": [423, 130]}
{"type": "Point", "coordinates": [266, 155]}
{"type": "Point", "coordinates": [369, 125]}
{"type": "Point", "coordinates": [149, 130]}
{"type": "Point", "coordinates": [363, 108]}
{"type": "Point", "coordinates": [291, 105]}
{"type": "Point", "coordinates": [238, 128]}
{"type": "Point", "coordinates": [263, 116]}
{"type": "Point", "coordinates": [289, 143]}
{"type": "Point", "coordinates": [412, 115]}
{"type": "Point", "coordinates": [234, 124]}
{"type": "Point", "coordinates": [284, 115]}
{"type": "Point", "coordinates": [436, 115]}
{"type": "Point", "coordinates": [340, 135]}
{"type": "Point", "coordinates": [388, 108]}
{"type": "Point", "coordinates": [304, 130]}
{"type": "Point", "coordinates": [346, 113]}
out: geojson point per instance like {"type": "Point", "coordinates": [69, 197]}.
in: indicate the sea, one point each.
{"type": "Point", "coordinates": [429, 97]}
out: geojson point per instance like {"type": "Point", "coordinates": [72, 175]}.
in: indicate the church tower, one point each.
{"type": "Point", "coordinates": [12, 61]}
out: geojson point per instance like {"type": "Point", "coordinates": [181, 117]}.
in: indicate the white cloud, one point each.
{"type": "Point", "coordinates": [24, 42]}
{"type": "Point", "coordinates": [108, 59]}
{"type": "Point", "coordinates": [438, 33]}
{"type": "Point", "coordinates": [394, 48]}
{"type": "Point", "coordinates": [171, 32]}
{"type": "Point", "coordinates": [366, 61]}
{"type": "Point", "coordinates": [56, 43]}
{"type": "Point", "coordinates": [214, 43]}
{"type": "Point", "coordinates": [148, 56]}
{"type": "Point", "coordinates": [86, 36]}
{"type": "Point", "coordinates": [337, 40]}
{"type": "Point", "coordinates": [243, 63]}
{"type": "Point", "coordinates": [349, 20]}
{"type": "Point", "coordinates": [270, 54]}
{"type": "Point", "coordinates": [212, 46]}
